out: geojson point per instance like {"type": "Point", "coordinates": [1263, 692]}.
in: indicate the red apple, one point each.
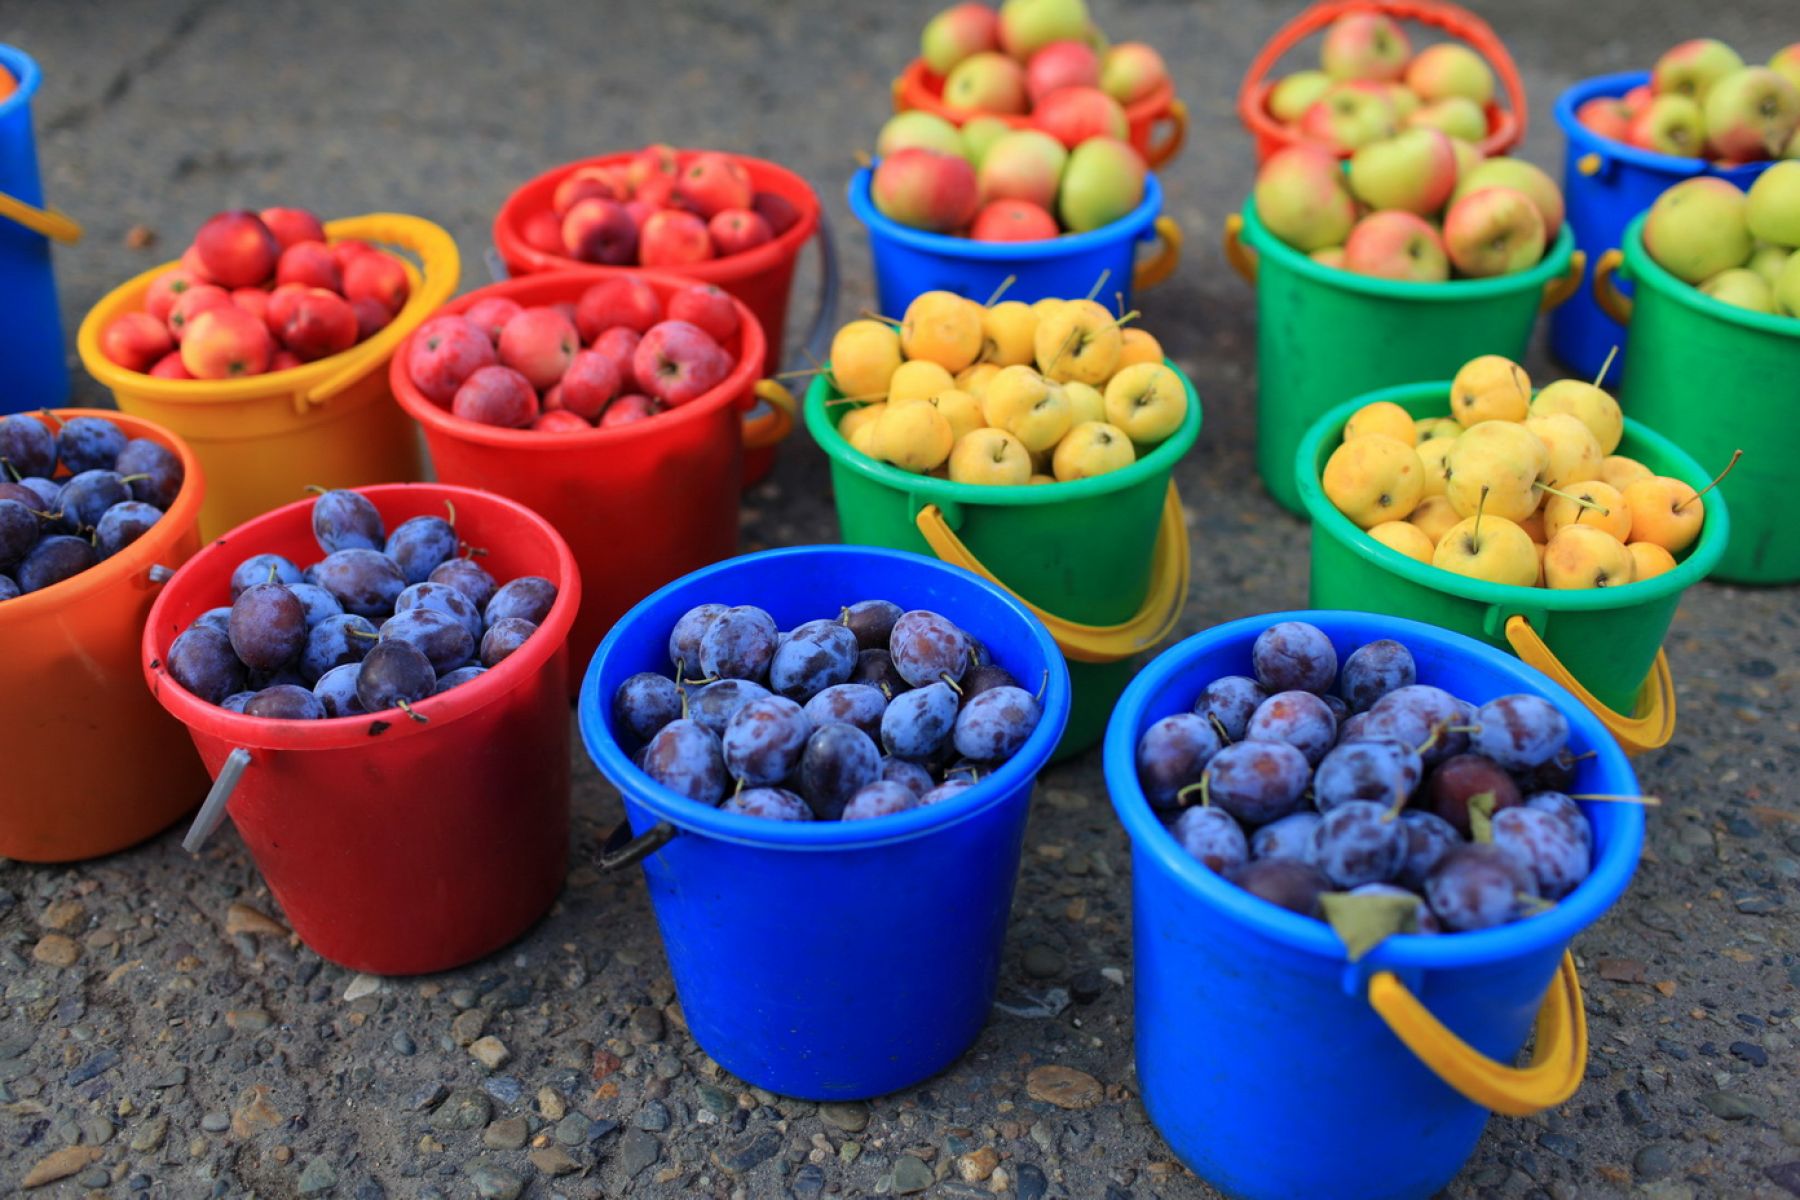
{"type": "Point", "coordinates": [652, 162]}
{"type": "Point", "coordinates": [1061, 65]}
{"type": "Point", "coordinates": [620, 344]}
{"type": "Point", "coordinates": [777, 210]}
{"type": "Point", "coordinates": [252, 300]}
{"type": "Point", "coordinates": [284, 360]}
{"type": "Point", "coordinates": [1075, 114]}
{"type": "Point", "coordinates": [1638, 97]}
{"type": "Point", "coordinates": [225, 342]}
{"type": "Point", "coordinates": [622, 300]}
{"type": "Point", "coordinates": [237, 249]}
{"type": "Point", "coordinates": [598, 230]}
{"type": "Point", "coordinates": [673, 238]}
{"type": "Point", "coordinates": [496, 396]}
{"type": "Point", "coordinates": [372, 317]}
{"type": "Point", "coordinates": [641, 211]}
{"type": "Point", "coordinates": [539, 344]}
{"type": "Point", "coordinates": [585, 183]}
{"type": "Point", "coordinates": [542, 230]}
{"type": "Point", "coordinates": [658, 191]}
{"type": "Point", "coordinates": [677, 362]}
{"type": "Point", "coordinates": [1397, 245]}
{"type": "Point", "coordinates": [714, 182]}
{"type": "Point", "coordinates": [736, 230]}
{"type": "Point", "coordinates": [377, 276]}
{"type": "Point", "coordinates": [292, 226]}
{"type": "Point", "coordinates": [588, 386]}
{"type": "Point", "coordinates": [309, 263]}
{"type": "Point", "coordinates": [492, 314]}
{"type": "Point", "coordinates": [1013, 221]}
{"type": "Point", "coordinates": [280, 306]}
{"type": "Point", "coordinates": [190, 262]}
{"type": "Point", "coordinates": [165, 290]}
{"type": "Point", "coordinates": [566, 308]}
{"type": "Point", "coordinates": [320, 324]}
{"type": "Point", "coordinates": [136, 341]}
{"type": "Point", "coordinates": [628, 409]}
{"type": "Point", "coordinates": [348, 249]}
{"type": "Point", "coordinates": [925, 189]}
{"type": "Point", "coordinates": [559, 420]}
{"type": "Point", "coordinates": [192, 303]}
{"type": "Point", "coordinates": [169, 367]}
{"type": "Point", "coordinates": [1609, 118]}
{"type": "Point", "coordinates": [446, 351]}
{"type": "Point", "coordinates": [712, 309]}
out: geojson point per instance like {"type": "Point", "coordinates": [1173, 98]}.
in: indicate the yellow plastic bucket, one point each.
{"type": "Point", "coordinates": [333, 423]}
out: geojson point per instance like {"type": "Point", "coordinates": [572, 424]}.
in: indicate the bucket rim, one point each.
{"type": "Point", "coordinates": [340, 733]}
{"type": "Point", "coordinates": [360, 360]}
{"type": "Point", "coordinates": [29, 75]}
{"type": "Point", "coordinates": [1644, 269]}
{"type": "Point", "coordinates": [439, 420]}
{"type": "Point", "coordinates": [1715, 531]}
{"type": "Point", "coordinates": [1016, 776]}
{"type": "Point", "coordinates": [1583, 140]}
{"type": "Point", "coordinates": [1160, 461]}
{"type": "Point", "coordinates": [785, 247]}
{"type": "Point", "coordinates": [1137, 225]}
{"type": "Point", "coordinates": [1610, 875]}
{"type": "Point", "coordinates": [181, 516]}
{"type": "Point", "coordinates": [1554, 263]}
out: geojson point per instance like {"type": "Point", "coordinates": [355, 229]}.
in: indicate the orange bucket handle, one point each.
{"type": "Point", "coordinates": [771, 421]}
{"type": "Point", "coordinates": [1612, 301]}
{"type": "Point", "coordinates": [1175, 120]}
{"type": "Point", "coordinates": [1651, 727]}
{"type": "Point", "coordinates": [1558, 290]}
{"type": "Point", "coordinates": [1242, 258]}
{"type": "Point", "coordinates": [46, 222]}
{"type": "Point", "coordinates": [1457, 21]}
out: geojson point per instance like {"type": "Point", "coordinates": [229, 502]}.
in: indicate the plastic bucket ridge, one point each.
{"type": "Point", "coordinates": [31, 337]}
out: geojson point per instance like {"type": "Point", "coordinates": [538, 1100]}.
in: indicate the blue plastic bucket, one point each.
{"type": "Point", "coordinates": [1605, 185]}
{"type": "Point", "coordinates": [1262, 1060]}
{"type": "Point", "coordinates": [910, 261]}
{"type": "Point", "coordinates": [831, 960]}
{"type": "Point", "coordinates": [31, 337]}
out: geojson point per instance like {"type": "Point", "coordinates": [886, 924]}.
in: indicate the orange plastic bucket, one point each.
{"type": "Point", "coordinates": [1506, 124]}
{"type": "Point", "coordinates": [265, 438]}
{"type": "Point", "coordinates": [93, 764]}
{"type": "Point", "coordinates": [918, 87]}
{"type": "Point", "coordinates": [641, 504]}
{"type": "Point", "coordinates": [397, 847]}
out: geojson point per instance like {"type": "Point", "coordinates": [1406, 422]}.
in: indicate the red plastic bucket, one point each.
{"type": "Point", "coordinates": [641, 504]}
{"type": "Point", "coordinates": [1506, 125]}
{"type": "Point", "coordinates": [396, 847]}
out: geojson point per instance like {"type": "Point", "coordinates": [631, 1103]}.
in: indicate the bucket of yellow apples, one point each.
{"type": "Point", "coordinates": [1541, 521]}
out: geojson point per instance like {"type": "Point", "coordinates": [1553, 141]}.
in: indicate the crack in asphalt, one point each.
{"type": "Point", "coordinates": [79, 116]}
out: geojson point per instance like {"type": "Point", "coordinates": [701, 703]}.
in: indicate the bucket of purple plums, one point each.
{"type": "Point", "coordinates": [1361, 847]}
{"type": "Point", "coordinates": [826, 753]}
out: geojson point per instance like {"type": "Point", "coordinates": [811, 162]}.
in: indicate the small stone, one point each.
{"type": "Point", "coordinates": [1757, 905]}
{"type": "Point", "coordinates": [654, 1116]}
{"type": "Point", "coordinates": [1785, 1175]}
{"type": "Point", "coordinates": [242, 919]}
{"type": "Point", "coordinates": [808, 1182]}
{"type": "Point", "coordinates": [572, 1130]}
{"type": "Point", "coordinates": [1087, 986]}
{"type": "Point", "coordinates": [506, 1134]}
{"type": "Point", "coordinates": [849, 1116]}
{"type": "Point", "coordinates": [714, 1100]}
{"type": "Point", "coordinates": [1043, 962]}
{"type": "Point", "coordinates": [637, 1150]}
{"type": "Point", "coordinates": [150, 1134]}
{"type": "Point", "coordinates": [362, 985]}
{"type": "Point", "coordinates": [426, 1097]}
{"type": "Point", "coordinates": [494, 1182]}
{"type": "Point", "coordinates": [63, 915]}
{"type": "Point", "coordinates": [95, 1065]}
{"type": "Point", "coordinates": [317, 1176]}
{"type": "Point", "coordinates": [1000, 1181]}
{"type": "Point", "coordinates": [646, 1025]}
{"type": "Point", "coordinates": [61, 1164]}
{"type": "Point", "coordinates": [1751, 1053]}
{"type": "Point", "coordinates": [215, 1122]}
{"type": "Point", "coordinates": [977, 1165]}
{"type": "Point", "coordinates": [1652, 1162]}
{"type": "Point", "coordinates": [248, 1020]}
{"type": "Point", "coordinates": [254, 1112]}
{"type": "Point", "coordinates": [55, 950]}
{"type": "Point", "coordinates": [553, 1161]}
{"type": "Point", "coordinates": [747, 1153]}
{"type": "Point", "coordinates": [1032, 1184]}
{"type": "Point", "coordinates": [911, 1175]}
{"type": "Point", "coordinates": [465, 1109]}
{"type": "Point", "coordinates": [1560, 1144]}
{"type": "Point", "coordinates": [1064, 1087]}
{"type": "Point", "coordinates": [599, 1130]}
{"type": "Point", "coordinates": [550, 1104]}
{"type": "Point", "coordinates": [468, 1025]}
{"type": "Point", "coordinates": [1735, 1106]}
{"type": "Point", "coordinates": [490, 1052]}
{"type": "Point", "coordinates": [504, 1088]}
{"type": "Point", "coordinates": [403, 1044]}
{"type": "Point", "coordinates": [94, 1177]}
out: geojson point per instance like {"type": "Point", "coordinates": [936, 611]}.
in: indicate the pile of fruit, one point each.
{"type": "Point", "coordinates": [1735, 246]}
{"type": "Point", "coordinates": [1513, 488]}
{"type": "Point", "coordinates": [1020, 59]}
{"type": "Point", "coordinates": [654, 211]}
{"type": "Point", "coordinates": [1420, 206]}
{"type": "Point", "coordinates": [1703, 102]}
{"type": "Point", "coordinates": [1304, 782]}
{"type": "Point", "coordinates": [1371, 86]}
{"type": "Point", "coordinates": [877, 712]}
{"type": "Point", "coordinates": [258, 292]}
{"type": "Point", "coordinates": [616, 355]}
{"type": "Point", "coordinates": [113, 489]}
{"type": "Point", "coordinates": [1007, 393]}
{"type": "Point", "coordinates": [382, 622]}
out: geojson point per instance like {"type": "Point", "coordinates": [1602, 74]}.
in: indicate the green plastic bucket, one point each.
{"type": "Point", "coordinates": [1687, 350]}
{"type": "Point", "coordinates": [1102, 562]}
{"type": "Point", "coordinates": [1324, 335]}
{"type": "Point", "coordinates": [1602, 644]}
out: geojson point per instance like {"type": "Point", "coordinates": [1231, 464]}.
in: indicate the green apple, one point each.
{"type": "Point", "coordinates": [1103, 181]}
{"type": "Point", "coordinates": [1450, 69]}
{"type": "Point", "coordinates": [1293, 94]}
{"type": "Point", "coordinates": [1741, 287]}
{"type": "Point", "coordinates": [1302, 199]}
{"type": "Point", "coordinates": [1772, 206]}
{"type": "Point", "coordinates": [956, 33]}
{"type": "Point", "coordinates": [1697, 229]}
{"type": "Point", "coordinates": [1365, 45]}
{"type": "Point", "coordinates": [1692, 68]}
{"type": "Point", "coordinates": [923, 130]}
{"type": "Point", "coordinates": [1026, 164]}
{"type": "Point", "coordinates": [1787, 62]}
{"type": "Point", "coordinates": [1413, 171]}
{"type": "Point", "coordinates": [1027, 26]}
{"type": "Point", "coordinates": [1768, 262]}
{"type": "Point", "coordinates": [1751, 114]}
{"type": "Point", "coordinates": [1670, 124]}
{"type": "Point", "coordinates": [1787, 288]}
{"type": "Point", "coordinates": [979, 135]}
{"type": "Point", "coordinates": [1349, 115]}
{"type": "Point", "coordinates": [987, 82]}
{"type": "Point", "coordinates": [1458, 116]}
{"type": "Point", "coordinates": [1522, 176]}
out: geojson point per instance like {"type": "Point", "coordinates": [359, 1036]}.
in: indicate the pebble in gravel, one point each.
{"type": "Point", "coordinates": [851, 1117]}
{"type": "Point", "coordinates": [1032, 1183]}
{"type": "Point", "coordinates": [1044, 962]}
{"type": "Point", "coordinates": [464, 1109]}
{"type": "Point", "coordinates": [508, 1133]}
{"type": "Point", "coordinates": [654, 1116]}
{"type": "Point", "coordinates": [494, 1182]}
{"type": "Point", "coordinates": [317, 1176]}
{"type": "Point", "coordinates": [637, 1150]}
{"type": "Point", "coordinates": [1652, 1162]}
{"type": "Point", "coordinates": [747, 1153]}
{"type": "Point", "coordinates": [911, 1175]}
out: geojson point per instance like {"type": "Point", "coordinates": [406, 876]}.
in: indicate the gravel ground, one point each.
{"type": "Point", "coordinates": [161, 1032]}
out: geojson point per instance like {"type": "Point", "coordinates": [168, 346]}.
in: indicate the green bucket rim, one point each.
{"type": "Point", "coordinates": [1554, 263]}
{"type": "Point", "coordinates": [944, 491]}
{"type": "Point", "coordinates": [1649, 273]}
{"type": "Point", "coordinates": [1715, 531]}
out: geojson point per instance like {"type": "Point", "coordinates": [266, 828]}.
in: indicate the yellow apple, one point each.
{"type": "Point", "coordinates": [1589, 503]}
{"type": "Point", "coordinates": [1092, 448]}
{"type": "Point", "coordinates": [1574, 451]}
{"type": "Point", "coordinates": [974, 380]}
{"type": "Point", "coordinates": [1622, 472]}
{"type": "Point", "coordinates": [864, 356]}
{"type": "Point", "coordinates": [1490, 388]}
{"type": "Point", "coordinates": [1385, 418]}
{"type": "Point", "coordinates": [914, 437]}
{"type": "Point", "coordinates": [1488, 547]}
{"type": "Point", "coordinates": [1435, 516]}
{"type": "Point", "coordinates": [944, 328]}
{"type": "Point", "coordinates": [1137, 346]}
{"type": "Point", "coordinates": [1007, 332]}
{"type": "Point", "coordinates": [991, 456]}
{"type": "Point", "coordinates": [856, 418]}
{"type": "Point", "coordinates": [962, 410]}
{"type": "Point", "coordinates": [1148, 401]}
{"type": "Point", "coordinates": [866, 436]}
{"type": "Point", "coordinates": [1664, 511]}
{"type": "Point", "coordinates": [1597, 410]}
{"type": "Point", "coordinates": [1028, 406]}
{"type": "Point", "coordinates": [1374, 479]}
{"type": "Point", "coordinates": [1534, 528]}
{"type": "Point", "coordinates": [1435, 455]}
{"type": "Point", "coordinates": [1037, 479]}
{"type": "Point", "coordinates": [1581, 556]}
{"type": "Point", "coordinates": [1428, 428]}
{"type": "Point", "coordinates": [1085, 403]}
{"type": "Point", "coordinates": [917, 381]}
{"type": "Point", "coordinates": [1501, 460]}
{"type": "Point", "coordinates": [1080, 340]}
{"type": "Point", "coordinates": [1649, 560]}
{"type": "Point", "coordinates": [1405, 537]}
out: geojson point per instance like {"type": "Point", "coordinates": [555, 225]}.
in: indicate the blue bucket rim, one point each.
{"type": "Point", "coordinates": [1554, 263]}
{"type": "Point", "coordinates": [1136, 225]}
{"type": "Point", "coordinates": [1557, 927]}
{"type": "Point", "coordinates": [1643, 268]}
{"type": "Point", "coordinates": [1583, 140]}
{"type": "Point", "coordinates": [1018, 773]}
{"type": "Point", "coordinates": [26, 70]}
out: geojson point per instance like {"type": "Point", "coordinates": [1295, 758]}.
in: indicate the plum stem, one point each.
{"type": "Point", "coordinates": [1533, 904]}
{"type": "Point", "coordinates": [954, 686]}
{"type": "Point", "coordinates": [1224, 734]}
{"type": "Point", "coordinates": [1204, 787]}
{"type": "Point", "coordinates": [1735, 455]}
{"type": "Point", "coordinates": [406, 707]}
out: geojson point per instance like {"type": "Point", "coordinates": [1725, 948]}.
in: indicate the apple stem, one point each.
{"type": "Point", "coordinates": [407, 708]}
{"type": "Point", "coordinates": [801, 373]}
{"type": "Point", "coordinates": [1074, 336]}
{"type": "Point", "coordinates": [1000, 291]}
{"type": "Point", "coordinates": [11, 470]}
{"type": "Point", "coordinates": [739, 789]}
{"type": "Point", "coordinates": [864, 399]}
{"type": "Point", "coordinates": [362, 633]}
{"type": "Point", "coordinates": [1604, 797]}
{"type": "Point", "coordinates": [1133, 315]}
{"type": "Point", "coordinates": [1583, 501]}
{"type": "Point", "coordinates": [1587, 754]}
{"type": "Point", "coordinates": [1119, 303]}
{"type": "Point", "coordinates": [1735, 455]}
{"type": "Point", "coordinates": [875, 316]}
{"type": "Point", "coordinates": [315, 489]}
{"type": "Point", "coordinates": [1479, 506]}
{"type": "Point", "coordinates": [1607, 365]}
{"type": "Point", "coordinates": [1099, 283]}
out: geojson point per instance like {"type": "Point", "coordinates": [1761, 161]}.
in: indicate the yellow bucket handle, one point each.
{"type": "Point", "coordinates": [1558, 290]}
{"type": "Point", "coordinates": [1612, 301]}
{"type": "Point", "coordinates": [1558, 1060]}
{"type": "Point", "coordinates": [440, 267]}
{"type": "Point", "coordinates": [1241, 257]}
{"type": "Point", "coordinates": [1654, 725]}
{"type": "Point", "coordinates": [1159, 267]}
{"type": "Point", "coordinates": [46, 222]}
{"type": "Point", "coordinates": [767, 428]}
{"type": "Point", "coordinates": [1095, 643]}
{"type": "Point", "coordinates": [1160, 152]}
